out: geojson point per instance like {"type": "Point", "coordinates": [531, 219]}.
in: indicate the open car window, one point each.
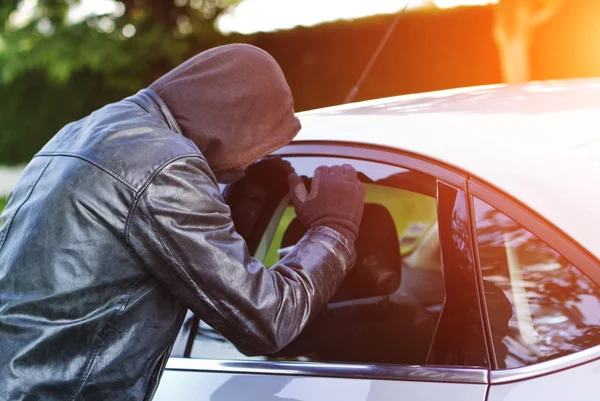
{"type": "Point", "coordinates": [388, 308]}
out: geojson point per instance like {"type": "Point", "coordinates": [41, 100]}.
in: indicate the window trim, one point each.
{"type": "Point", "coordinates": [377, 154]}
{"type": "Point", "coordinates": [557, 240]}
{"type": "Point", "coordinates": [545, 368]}
{"type": "Point", "coordinates": [337, 370]}
{"type": "Point", "coordinates": [474, 265]}
{"type": "Point", "coordinates": [487, 327]}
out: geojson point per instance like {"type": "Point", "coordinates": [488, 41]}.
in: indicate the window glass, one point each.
{"type": "Point", "coordinates": [387, 309]}
{"type": "Point", "coordinates": [412, 213]}
{"type": "Point", "coordinates": [554, 309]}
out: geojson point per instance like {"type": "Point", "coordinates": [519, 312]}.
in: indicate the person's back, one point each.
{"type": "Point", "coordinates": [113, 230]}
{"type": "Point", "coordinates": [79, 288]}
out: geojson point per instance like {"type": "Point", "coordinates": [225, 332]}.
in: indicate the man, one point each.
{"type": "Point", "coordinates": [117, 226]}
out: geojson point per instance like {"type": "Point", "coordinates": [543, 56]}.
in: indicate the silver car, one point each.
{"type": "Point", "coordinates": [478, 273]}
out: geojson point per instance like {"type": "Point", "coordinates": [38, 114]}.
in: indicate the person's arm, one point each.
{"type": "Point", "coordinates": [180, 228]}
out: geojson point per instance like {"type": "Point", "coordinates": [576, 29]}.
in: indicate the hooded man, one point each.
{"type": "Point", "coordinates": [117, 226]}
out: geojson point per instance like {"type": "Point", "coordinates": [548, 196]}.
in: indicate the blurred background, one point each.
{"type": "Point", "coordinates": [61, 59]}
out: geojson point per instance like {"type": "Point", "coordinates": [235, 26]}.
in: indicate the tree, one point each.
{"type": "Point", "coordinates": [54, 69]}
{"type": "Point", "coordinates": [135, 35]}
{"type": "Point", "coordinates": [514, 23]}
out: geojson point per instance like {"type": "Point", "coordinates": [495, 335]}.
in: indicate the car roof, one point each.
{"type": "Point", "coordinates": [538, 142]}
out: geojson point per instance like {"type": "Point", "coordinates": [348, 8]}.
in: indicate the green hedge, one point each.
{"type": "Point", "coordinates": [33, 109]}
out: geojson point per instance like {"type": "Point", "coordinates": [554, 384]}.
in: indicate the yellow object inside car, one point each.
{"type": "Point", "coordinates": [414, 215]}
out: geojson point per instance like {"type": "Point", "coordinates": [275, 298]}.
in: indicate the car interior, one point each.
{"type": "Point", "coordinates": [387, 308]}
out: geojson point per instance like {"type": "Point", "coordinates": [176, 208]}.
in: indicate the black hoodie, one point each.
{"type": "Point", "coordinates": [233, 102]}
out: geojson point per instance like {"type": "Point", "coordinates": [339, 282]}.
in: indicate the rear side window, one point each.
{"type": "Point", "coordinates": [553, 309]}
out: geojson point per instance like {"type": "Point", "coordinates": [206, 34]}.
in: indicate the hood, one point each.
{"type": "Point", "coordinates": [233, 102]}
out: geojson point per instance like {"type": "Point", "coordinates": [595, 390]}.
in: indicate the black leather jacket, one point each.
{"type": "Point", "coordinates": [114, 228]}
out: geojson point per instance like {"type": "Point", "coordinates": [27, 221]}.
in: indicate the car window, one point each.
{"type": "Point", "coordinates": [554, 307]}
{"type": "Point", "coordinates": [412, 215]}
{"type": "Point", "coordinates": [388, 308]}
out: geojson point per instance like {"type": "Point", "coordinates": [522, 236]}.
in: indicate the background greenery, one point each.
{"type": "Point", "coordinates": [54, 70]}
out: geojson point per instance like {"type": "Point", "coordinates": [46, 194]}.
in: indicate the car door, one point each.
{"type": "Point", "coordinates": [407, 320]}
{"type": "Point", "coordinates": [542, 295]}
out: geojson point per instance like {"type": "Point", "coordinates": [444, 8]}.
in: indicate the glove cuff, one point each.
{"type": "Point", "coordinates": [344, 231]}
{"type": "Point", "coordinates": [345, 227]}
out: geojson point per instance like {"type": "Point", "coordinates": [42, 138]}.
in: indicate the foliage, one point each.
{"type": "Point", "coordinates": [136, 35]}
{"type": "Point", "coordinates": [54, 70]}
{"type": "Point", "coordinates": [2, 203]}
{"type": "Point", "coordinates": [33, 108]}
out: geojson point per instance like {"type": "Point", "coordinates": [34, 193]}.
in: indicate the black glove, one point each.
{"type": "Point", "coordinates": [336, 199]}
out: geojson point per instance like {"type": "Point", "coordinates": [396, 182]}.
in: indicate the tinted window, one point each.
{"type": "Point", "coordinates": [554, 309]}
{"type": "Point", "coordinates": [387, 309]}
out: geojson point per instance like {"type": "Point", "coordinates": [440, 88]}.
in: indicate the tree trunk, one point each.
{"type": "Point", "coordinates": [514, 23]}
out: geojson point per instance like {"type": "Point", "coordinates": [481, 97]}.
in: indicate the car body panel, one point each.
{"type": "Point", "coordinates": [236, 380]}
{"type": "Point", "coordinates": [577, 383]}
{"type": "Point", "coordinates": [225, 387]}
{"type": "Point", "coordinates": [539, 143]}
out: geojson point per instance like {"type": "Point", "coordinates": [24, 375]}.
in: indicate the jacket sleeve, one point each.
{"type": "Point", "coordinates": [181, 229]}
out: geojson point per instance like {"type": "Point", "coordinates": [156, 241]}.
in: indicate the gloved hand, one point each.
{"type": "Point", "coordinates": [336, 200]}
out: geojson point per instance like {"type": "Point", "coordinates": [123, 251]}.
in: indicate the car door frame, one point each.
{"type": "Point", "coordinates": [557, 240]}
{"type": "Point", "coordinates": [445, 174]}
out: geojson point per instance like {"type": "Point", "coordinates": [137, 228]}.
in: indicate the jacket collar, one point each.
{"type": "Point", "coordinates": [148, 100]}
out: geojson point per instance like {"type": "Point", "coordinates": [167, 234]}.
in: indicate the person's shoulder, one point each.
{"type": "Point", "coordinates": [125, 140]}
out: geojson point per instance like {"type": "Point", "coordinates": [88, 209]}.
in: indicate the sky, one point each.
{"type": "Point", "coordinates": [268, 15]}
{"type": "Point", "coordinates": [265, 15]}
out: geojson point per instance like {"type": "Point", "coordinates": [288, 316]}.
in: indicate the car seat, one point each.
{"type": "Point", "coordinates": [378, 265]}
{"type": "Point", "coordinates": [362, 324]}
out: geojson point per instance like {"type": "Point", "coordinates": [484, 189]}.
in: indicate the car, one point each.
{"type": "Point", "coordinates": [477, 274]}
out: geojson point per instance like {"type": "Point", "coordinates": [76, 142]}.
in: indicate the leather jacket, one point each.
{"type": "Point", "coordinates": [115, 228]}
